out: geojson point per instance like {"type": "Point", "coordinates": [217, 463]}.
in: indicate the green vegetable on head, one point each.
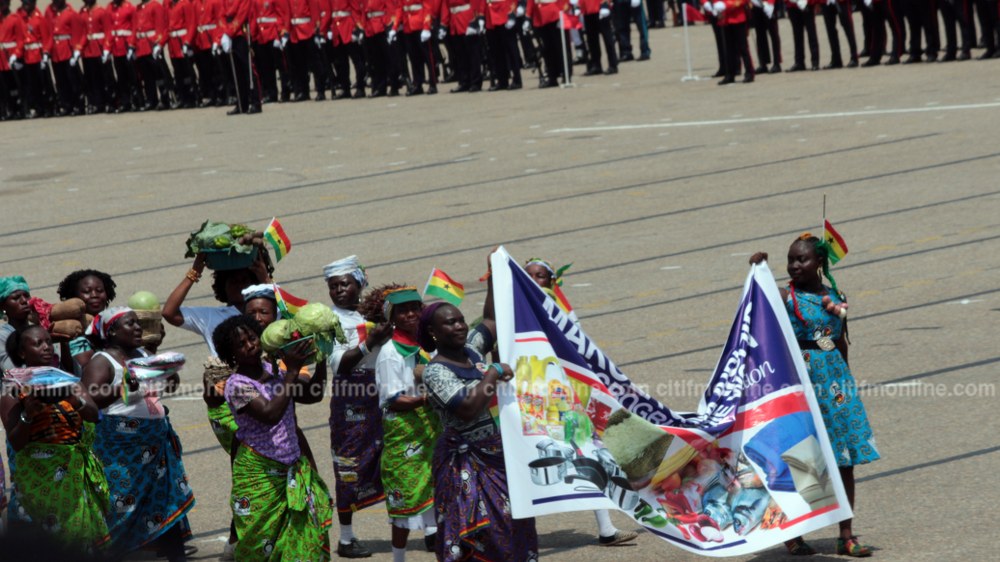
{"type": "Point", "coordinates": [238, 230]}
{"type": "Point", "coordinates": [277, 334]}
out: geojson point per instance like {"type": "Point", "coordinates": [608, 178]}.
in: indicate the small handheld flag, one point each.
{"type": "Point", "coordinates": [276, 237]}
{"type": "Point", "coordinates": [443, 287]}
{"type": "Point", "coordinates": [838, 248]}
{"type": "Point", "coordinates": [288, 304]}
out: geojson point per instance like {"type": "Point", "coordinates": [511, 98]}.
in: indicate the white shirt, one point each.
{"type": "Point", "coordinates": [203, 320]}
{"type": "Point", "coordinates": [394, 374]}
{"type": "Point", "coordinates": [142, 406]}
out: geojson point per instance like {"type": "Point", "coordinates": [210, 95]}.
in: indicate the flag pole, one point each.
{"type": "Point", "coordinates": [428, 284]}
{"type": "Point", "coordinates": [687, 47]}
{"type": "Point", "coordinates": [567, 81]}
{"type": "Point", "coordinates": [823, 225]}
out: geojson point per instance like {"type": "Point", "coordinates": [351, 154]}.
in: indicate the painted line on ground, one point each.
{"type": "Point", "coordinates": [777, 118]}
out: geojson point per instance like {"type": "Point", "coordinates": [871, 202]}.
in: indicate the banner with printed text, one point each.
{"type": "Point", "coordinates": [749, 470]}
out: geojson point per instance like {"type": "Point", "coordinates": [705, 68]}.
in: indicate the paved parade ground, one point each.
{"type": "Point", "coordinates": [657, 190]}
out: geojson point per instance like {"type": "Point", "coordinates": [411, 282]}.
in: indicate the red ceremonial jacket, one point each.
{"type": "Point", "coordinates": [182, 25]}
{"type": "Point", "coordinates": [304, 19]}
{"type": "Point", "coordinates": [272, 21]}
{"type": "Point", "coordinates": [150, 27]}
{"type": "Point", "coordinates": [345, 17]}
{"type": "Point", "coordinates": [543, 12]}
{"type": "Point", "coordinates": [12, 32]}
{"type": "Point", "coordinates": [98, 24]}
{"type": "Point", "coordinates": [456, 15]}
{"type": "Point", "coordinates": [37, 36]}
{"type": "Point", "coordinates": [122, 27]}
{"type": "Point", "coordinates": [69, 32]}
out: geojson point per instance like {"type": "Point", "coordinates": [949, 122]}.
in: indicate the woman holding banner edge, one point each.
{"type": "Point", "coordinates": [818, 315]}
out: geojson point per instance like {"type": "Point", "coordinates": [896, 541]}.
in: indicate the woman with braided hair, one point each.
{"type": "Point", "coordinates": [819, 318]}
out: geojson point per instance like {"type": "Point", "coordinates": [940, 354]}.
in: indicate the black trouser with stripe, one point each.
{"type": "Point", "coordinates": [804, 24]}
{"type": "Point", "coordinates": [764, 28]}
{"type": "Point", "coordinates": [841, 11]}
{"type": "Point", "coordinates": [598, 30]}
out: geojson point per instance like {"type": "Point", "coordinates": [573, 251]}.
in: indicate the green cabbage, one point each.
{"type": "Point", "coordinates": [217, 236]}
{"type": "Point", "coordinates": [277, 334]}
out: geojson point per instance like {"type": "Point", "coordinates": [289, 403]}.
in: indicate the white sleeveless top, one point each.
{"type": "Point", "coordinates": [143, 405]}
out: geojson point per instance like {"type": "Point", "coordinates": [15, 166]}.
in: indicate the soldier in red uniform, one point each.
{"type": "Point", "coordinates": [150, 36]}
{"type": "Point", "coordinates": [802, 14]}
{"type": "Point", "coordinates": [235, 43]}
{"type": "Point", "coordinates": [347, 24]}
{"type": "Point", "coordinates": [211, 78]}
{"type": "Point", "coordinates": [832, 11]}
{"type": "Point", "coordinates": [545, 16]}
{"type": "Point", "coordinates": [322, 66]}
{"type": "Point", "coordinates": [466, 23]}
{"type": "Point", "coordinates": [381, 18]}
{"type": "Point", "coordinates": [732, 16]}
{"type": "Point", "coordinates": [416, 31]}
{"type": "Point", "coordinates": [597, 25]}
{"type": "Point", "coordinates": [501, 41]}
{"type": "Point", "coordinates": [96, 53]}
{"type": "Point", "coordinates": [765, 24]}
{"type": "Point", "coordinates": [182, 25]}
{"type": "Point", "coordinates": [304, 22]}
{"type": "Point", "coordinates": [12, 34]}
{"type": "Point", "coordinates": [270, 37]}
{"type": "Point", "coordinates": [68, 36]}
{"type": "Point", "coordinates": [122, 14]}
{"type": "Point", "coordinates": [37, 44]}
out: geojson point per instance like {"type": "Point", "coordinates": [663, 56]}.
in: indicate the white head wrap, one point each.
{"type": "Point", "coordinates": [259, 292]}
{"type": "Point", "coordinates": [347, 266]}
{"type": "Point", "coordinates": [102, 322]}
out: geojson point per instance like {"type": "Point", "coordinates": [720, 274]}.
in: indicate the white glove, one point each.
{"type": "Point", "coordinates": [425, 36]}
{"type": "Point", "coordinates": [357, 36]}
{"type": "Point", "coordinates": [284, 42]}
{"type": "Point", "coordinates": [45, 60]}
{"type": "Point", "coordinates": [318, 39]}
{"type": "Point", "coordinates": [329, 36]}
{"type": "Point", "coordinates": [801, 4]}
{"type": "Point", "coordinates": [276, 44]}
{"type": "Point", "coordinates": [831, 2]}
{"type": "Point", "coordinates": [105, 56]}
{"type": "Point", "coordinates": [868, 3]}
{"type": "Point", "coordinates": [390, 37]}
{"type": "Point", "coordinates": [215, 49]}
{"type": "Point", "coordinates": [604, 13]}
{"type": "Point", "coordinates": [442, 33]}
{"type": "Point", "coordinates": [635, 3]}
{"type": "Point", "coordinates": [130, 54]}
{"type": "Point", "coordinates": [526, 26]}
{"type": "Point", "coordinates": [718, 7]}
{"type": "Point", "coordinates": [769, 10]}
{"type": "Point", "coordinates": [226, 43]}
{"type": "Point", "coordinates": [756, 3]}
{"type": "Point", "coordinates": [574, 3]}
{"type": "Point", "coordinates": [13, 60]}
{"type": "Point", "coordinates": [511, 21]}
{"type": "Point", "coordinates": [186, 51]}
{"type": "Point", "coordinates": [481, 25]}
{"type": "Point", "coordinates": [519, 12]}
{"type": "Point", "coordinates": [75, 58]}
{"type": "Point", "coordinates": [157, 51]}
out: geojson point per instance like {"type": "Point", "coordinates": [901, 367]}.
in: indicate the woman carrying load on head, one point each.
{"type": "Point", "coordinates": [818, 314]}
{"type": "Point", "coordinates": [355, 416]}
{"type": "Point", "coordinates": [281, 506]}
{"type": "Point", "coordinates": [410, 428]}
{"type": "Point", "coordinates": [96, 289]}
{"type": "Point", "coordinates": [150, 496]}
{"type": "Point", "coordinates": [61, 488]}
{"type": "Point", "coordinates": [470, 481]}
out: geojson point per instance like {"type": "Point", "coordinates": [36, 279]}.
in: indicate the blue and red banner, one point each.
{"type": "Point", "coordinates": [751, 468]}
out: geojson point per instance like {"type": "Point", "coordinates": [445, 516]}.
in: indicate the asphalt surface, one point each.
{"type": "Point", "coordinates": [656, 189]}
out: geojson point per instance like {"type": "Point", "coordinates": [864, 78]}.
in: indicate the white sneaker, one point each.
{"type": "Point", "coordinates": [229, 551]}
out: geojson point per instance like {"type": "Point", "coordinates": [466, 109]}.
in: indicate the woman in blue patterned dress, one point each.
{"type": "Point", "coordinates": [819, 318]}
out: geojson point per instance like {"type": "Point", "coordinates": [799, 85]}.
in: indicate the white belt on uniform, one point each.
{"type": "Point", "coordinates": [267, 20]}
{"type": "Point", "coordinates": [206, 27]}
{"type": "Point", "coordinates": [146, 34]}
{"type": "Point", "coordinates": [460, 9]}
{"type": "Point", "coordinates": [62, 37]}
{"type": "Point", "coordinates": [179, 33]}
{"type": "Point", "coordinates": [32, 46]}
{"type": "Point", "coordinates": [122, 32]}
{"type": "Point", "coordinates": [95, 36]}
{"type": "Point", "coordinates": [413, 8]}
{"type": "Point", "coordinates": [10, 45]}
{"type": "Point", "coordinates": [376, 14]}
{"type": "Point", "coordinates": [300, 21]}
{"type": "Point", "coordinates": [545, 1]}
{"type": "Point", "coordinates": [341, 15]}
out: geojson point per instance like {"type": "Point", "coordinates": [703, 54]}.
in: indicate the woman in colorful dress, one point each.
{"type": "Point", "coordinates": [150, 496]}
{"type": "Point", "coordinates": [410, 428]}
{"type": "Point", "coordinates": [60, 483]}
{"type": "Point", "coordinates": [281, 506]}
{"type": "Point", "coordinates": [96, 289]}
{"type": "Point", "coordinates": [355, 416]}
{"type": "Point", "coordinates": [819, 317]}
{"type": "Point", "coordinates": [470, 481]}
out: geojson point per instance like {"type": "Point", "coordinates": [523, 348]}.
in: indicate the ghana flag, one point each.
{"type": "Point", "coordinates": [276, 237]}
{"type": "Point", "coordinates": [288, 304]}
{"type": "Point", "coordinates": [838, 248]}
{"type": "Point", "coordinates": [443, 287]}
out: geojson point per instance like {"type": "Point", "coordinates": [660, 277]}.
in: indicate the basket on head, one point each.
{"type": "Point", "coordinates": [227, 259]}
{"type": "Point", "coordinates": [152, 326]}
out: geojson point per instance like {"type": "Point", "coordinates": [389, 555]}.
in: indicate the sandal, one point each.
{"type": "Point", "coordinates": [851, 547]}
{"type": "Point", "coordinates": [798, 547]}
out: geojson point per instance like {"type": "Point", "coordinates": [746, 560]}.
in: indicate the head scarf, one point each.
{"type": "Point", "coordinates": [424, 336]}
{"type": "Point", "coordinates": [105, 320]}
{"type": "Point", "coordinates": [259, 292]}
{"type": "Point", "coordinates": [10, 285]}
{"type": "Point", "coordinates": [399, 296]}
{"type": "Point", "coordinates": [347, 266]}
{"type": "Point", "coordinates": [557, 274]}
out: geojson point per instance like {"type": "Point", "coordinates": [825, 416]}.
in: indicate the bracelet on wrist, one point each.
{"type": "Point", "coordinates": [363, 348]}
{"type": "Point", "coordinates": [193, 275]}
{"type": "Point", "coordinates": [25, 420]}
